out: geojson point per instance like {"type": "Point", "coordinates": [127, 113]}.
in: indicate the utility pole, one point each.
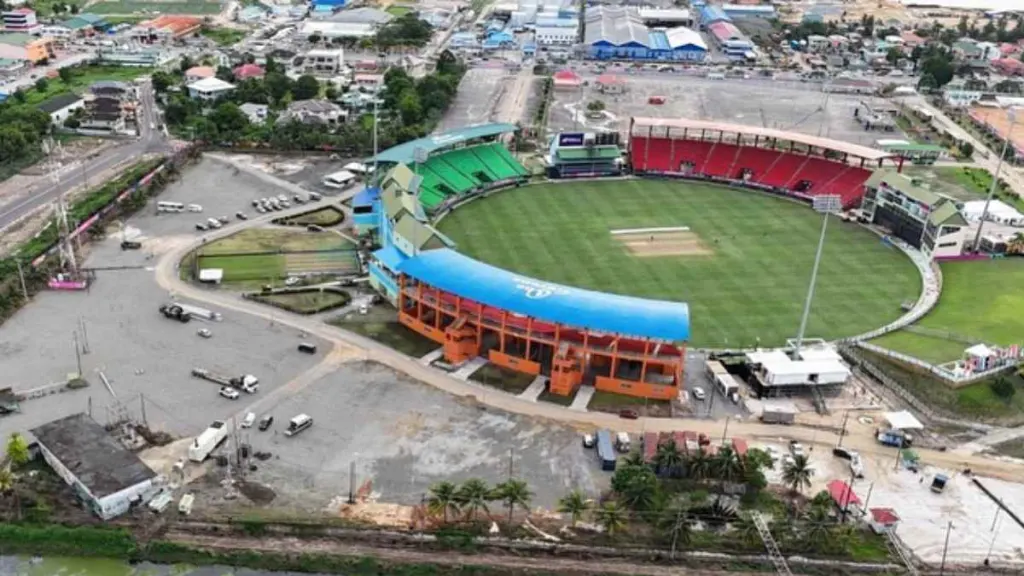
{"type": "Point", "coordinates": [352, 482]}
{"type": "Point", "coordinates": [21, 277]}
{"type": "Point", "coordinates": [142, 403]}
{"type": "Point", "coordinates": [511, 455]}
{"type": "Point", "coordinates": [726, 430]}
{"type": "Point", "coordinates": [78, 354]}
{"type": "Point", "coordinates": [842, 433]}
{"type": "Point", "coordinates": [945, 549]}
{"type": "Point", "coordinates": [85, 335]}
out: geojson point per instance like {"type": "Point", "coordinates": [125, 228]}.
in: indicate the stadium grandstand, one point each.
{"type": "Point", "coordinates": [618, 344]}
{"type": "Point", "coordinates": [455, 164]}
{"type": "Point", "coordinates": [584, 155]}
{"type": "Point", "coordinates": [787, 163]}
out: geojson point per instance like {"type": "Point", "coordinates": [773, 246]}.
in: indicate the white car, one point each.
{"type": "Point", "coordinates": [797, 449]}
{"type": "Point", "coordinates": [249, 419]}
{"type": "Point", "coordinates": [204, 333]}
{"type": "Point", "coordinates": [229, 393]}
{"type": "Point", "coordinates": [699, 393]}
{"type": "Point", "coordinates": [588, 440]}
{"type": "Point", "coordinates": [856, 465]}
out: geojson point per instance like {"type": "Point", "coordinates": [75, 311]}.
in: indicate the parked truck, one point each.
{"type": "Point", "coordinates": [246, 382]}
{"type": "Point", "coordinates": [206, 442]}
{"type": "Point", "coordinates": [605, 450]}
{"type": "Point", "coordinates": [778, 416]}
{"type": "Point", "coordinates": [894, 438]}
{"type": "Point", "coordinates": [175, 312]}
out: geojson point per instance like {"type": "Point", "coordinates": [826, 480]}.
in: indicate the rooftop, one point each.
{"type": "Point", "coordinates": [575, 307]}
{"type": "Point", "coordinates": [99, 462]}
{"type": "Point", "coordinates": [17, 39]}
{"type": "Point", "coordinates": [59, 102]}
{"type": "Point", "coordinates": [201, 72]}
{"type": "Point", "coordinates": [404, 152]}
{"type": "Point", "coordinates": [904, 185]}
{"type": "Point", "coordinates": [211, 85]}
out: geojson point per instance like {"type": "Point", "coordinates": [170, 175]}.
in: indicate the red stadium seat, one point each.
{"type": "Point", "coordinates": [719, 160]}
{"type": "Point", "coordinates": [757, 160]}
{"type": "Point", "coordinates": [780, 173]}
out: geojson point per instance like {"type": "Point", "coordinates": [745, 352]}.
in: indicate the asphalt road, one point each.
{"type": "Point", "coordinates": [47, 191]}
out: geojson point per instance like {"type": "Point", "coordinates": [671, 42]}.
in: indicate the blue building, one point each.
{"type": "Point", "coordinates": [711, 13]}
{"type": "Point", "coordinates": [619, 33]}
{"type": "Point", "coordinates": [749, 11]}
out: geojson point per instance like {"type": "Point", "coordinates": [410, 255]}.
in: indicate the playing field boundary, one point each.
{"type": "Point", "coordinates": [650, 230]}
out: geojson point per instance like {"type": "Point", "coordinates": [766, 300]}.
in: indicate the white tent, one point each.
{"type": "Point", "coordinates": [903, 420]}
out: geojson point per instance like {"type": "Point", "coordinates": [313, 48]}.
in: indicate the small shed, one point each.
{"type": "Point", "coordinates": [211, 275]}
{"type": "Point", "coordinates": [567, 79]}
{"type": "Point", "coordinates": [611, 84]}
{"type": "Point", "coordinates": [842, 495]}
{"type": "Point", "coordinates": [883, 520]}
{"type": "Point", "coordinates": [902, 420]}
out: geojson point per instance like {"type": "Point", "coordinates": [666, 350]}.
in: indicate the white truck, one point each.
{"type": "Point", "coordinates": [206, 442]}
{"type": "Point", "coordinates": [246, 383]}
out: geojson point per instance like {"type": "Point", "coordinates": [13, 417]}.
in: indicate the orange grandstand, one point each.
{"type": "Point", "coordinates": [786, 162]}
{"type": "Point", "coordinates": [175, 26]}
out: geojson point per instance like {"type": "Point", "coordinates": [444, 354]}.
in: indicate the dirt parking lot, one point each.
{"type": "Point", "coordinates": [478, 95]}
{"type": "Point", "coordinates": [403, 437]}
{"type": "Point", "coordinates": [783, 105]}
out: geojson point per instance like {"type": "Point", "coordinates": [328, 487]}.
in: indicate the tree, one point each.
{"type": "Point", "coordinates": [278, 85]}
{"type": "Point", "coordinates": [42, 84]}
{"type": "Point", "coordinates": [966, 149]}
{"type": "Point", "coordinates": [226, 74]}
{"type": "Point", "coordinates": [816, 527]}
{"type": "Point", "coordinates": [595, 106]}
{"type": "Point", "coordinates": [161, 81]}
{"type": "Point", "coordinates": [669, 459]}
{"type": "Point", "coordinates": [72, 123]}
{"type": "Point", "coordinates": [726, 466]}
{"type": "Point", "coordinates": [17, 449]}
{"type": "Point", "coordinates": [939, 67]}
{"type": "Point", "coordinates": [331, 92]}
{"type": "Point", "coordinates": [797, 473]}
{"type": "Point", "coordinates": [893, 55]}
{"type": "Point", "coordinates": [611, 517]}
{"type": "Point", "coordinates": [314, 38]}
{"type": "Point", "coordinates": [306, 88]}
{"type": "Point", "coordinates": [700, 466]}
{"type": "Point", "coordinates": [634, 458]}
{"type": "Point", "coordinates": [64, 74]}
{"type": "Point", "coordinates": [636, 486]}
{"type": "Point", "coordinates": [472, 496]}
{"type": "Point", "coordinates": [409, 108]}
{"type": "Point", "coordinates": [1003, 388]}
{"type": "Point", "coordinates": [575, 504]}
{"type": "Point", "coordinates": [442, 499]}
{"type": "Point", "coordinates": [676, 525]}
{"type": "Point", "coordinates": [513, 492]}
{"type": "Point", "coordinates": [185, 64]}
{"type": "Point", "coordinates": [74, 8]}
{"type": "Point", "coordinates": [231, 122]}
{"type": "Point", "coordinates": [747, 531]}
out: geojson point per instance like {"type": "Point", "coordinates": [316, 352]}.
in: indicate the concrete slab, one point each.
{"type": "Point", "coordinates": [533, 391]}
{"type": "Point", "coordinates": [430, 357]}
{"type": "Point", "coordinates": [582, 399]}
{"type": "Point", "coordinates": [469, 368]}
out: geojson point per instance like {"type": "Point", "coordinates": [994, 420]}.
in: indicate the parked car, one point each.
{"type": "Point", "coordinates": [266, 422]}
{"type": "Point", "coordinates": [588, 440]}
{"type": "Point", "coordinates": [796, 448]}
{"type": "Point", "coordinates": [699, 393]}
{"type": "Point", "coordinates": [202, 227]}
{"type": "Point", "coordinates": [241, 216]}
{"type": "Point", "coordinates": [629, 414]}
{"type": "Point", "coordinates": [204, 333]}
{"type": "Point", "coordinates": [229, 393]}
{"type": "Point", "coordinates": [250, 418]}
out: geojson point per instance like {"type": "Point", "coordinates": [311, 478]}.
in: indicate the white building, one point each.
{"type": "Point", "coordinates": [61, 107]}
{"type": "Point", "coordinates": [107, 477]}
{"type": "Point", "coordinates": [322, 62]}
{"type": "Point", "coordinates": [210, 89]}
{"type": "Point", "coordinates": [998, 212]}
{"type": "Point", "coordinates": [555, 36]}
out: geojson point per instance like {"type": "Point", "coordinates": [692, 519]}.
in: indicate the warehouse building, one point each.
{"type": "Point", "coordinates": [107, 477]}
{"type": "Point", "coordinates": [619, 33]}
{"type": "Point", "coordinates": [731, 41]}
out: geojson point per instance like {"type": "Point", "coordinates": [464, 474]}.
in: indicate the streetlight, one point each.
{"type": "Point", "coordinates": [824, 205]}
{"type": "Point", "coordinates": [1011, 113]}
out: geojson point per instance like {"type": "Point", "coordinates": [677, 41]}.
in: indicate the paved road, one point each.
{"type": "Point", "coordinates": [48, 190]}
{"type": "Point", "coordinates": [353, 345]}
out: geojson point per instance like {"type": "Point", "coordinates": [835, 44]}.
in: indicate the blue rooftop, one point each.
{"type": "Point", "coordinates": [390, 257]}
{"type": "Point", "coordinates": [365, 197]}
{"type": "Point", "coordinates": [659, 41]}
{"type": "Point", "coordinates": [610, 313]}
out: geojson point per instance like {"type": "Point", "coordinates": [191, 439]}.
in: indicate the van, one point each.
{"type": "Point", "coordinates": [160, 502]}
{"type": "Point", "coordinates": [298, 424]}
{"type": "Point", "coordinates": [716, 76]}
{"type": "Point", "coordinates": [307, 348]}
{"type": "Point", "coordinates": [195, 208]}
{"type": "Point", "coordinates": [249, 420]}
{"type": "Point", "coordinates": [214, 223]}
{"type": "Point", "coordinates": [185, 505]}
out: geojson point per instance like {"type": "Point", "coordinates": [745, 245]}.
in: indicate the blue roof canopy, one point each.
{"type": "Point", "coordinates": [404, 152]}
{"type": "Point", "coordinates": [610, 313]}
{"type": "Point", "coordinates": [365, 197]}
{"type": "Point", "coordinates": [390, 257]}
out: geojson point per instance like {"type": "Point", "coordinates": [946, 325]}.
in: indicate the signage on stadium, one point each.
{"type": "Point", "coordinates": [537, 290]}
{"type": "Point", "coordinates": [570, 139]}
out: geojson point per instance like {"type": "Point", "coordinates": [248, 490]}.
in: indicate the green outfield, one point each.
{"type": "Point", "coordinates": [744, 269]}
{"type": "Point", "coordinates": [262, 255]}
{"type": "Point", "coordinates": [980, 301]}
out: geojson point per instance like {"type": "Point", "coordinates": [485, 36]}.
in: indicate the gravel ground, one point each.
{"type": "Point", "coordinates": [478, 94]}
{"type": "Point", "coordinates": [791, 106]}
{"type": "Point", "coordinates": [405, 436]}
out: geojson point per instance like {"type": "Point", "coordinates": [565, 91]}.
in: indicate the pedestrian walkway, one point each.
{"type": "Point", "coordinates": [582, 399]}
{"type": "Point", "coordinates": [468, 368]}
{"type": "Point", "coordinates": [535, 388]}
{"type": "Point", "coordinates": [430, 357]}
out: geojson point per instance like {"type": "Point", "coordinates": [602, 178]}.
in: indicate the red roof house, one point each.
{"type": "Point", "coordinates": [1009, 66]}
{"type": "Point", "coordinates": [842, 494]}
{"type": "Point", "coordinates": [567, 79]}
{"type": "Point", "coordinates": [248, 71]}
{"type": "Point", "coordinates": [883, 519]}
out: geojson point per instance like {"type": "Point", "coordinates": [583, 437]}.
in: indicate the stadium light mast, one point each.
{"type": "Point", "coordinates": [824, 205]}
{"type": "Point", "coordinates": [1012, 113]}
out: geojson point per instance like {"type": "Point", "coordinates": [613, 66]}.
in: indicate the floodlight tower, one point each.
{"type": "Point", "coordinates": [1012, 114]}
{"type": "Point", "coordinates": [824, 205]}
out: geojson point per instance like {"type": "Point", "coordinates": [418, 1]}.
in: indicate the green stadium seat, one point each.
{"type": "Point", "coordinates": [496, 164]}
{"type": "Point", "coordinates": [459, 183]}
{"type": "Point", "coordinates": [467, 165]}
{"type": "Point", "coordinates": [510, 159]}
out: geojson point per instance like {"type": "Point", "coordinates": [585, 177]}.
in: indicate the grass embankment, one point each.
{"type": "Point", "coordinates": [81, 78]}
{"type": "Point", "coordinates": [975, 401]}
{"type": "Point", "coordinates": [742, 268]}
{"type": "Point", "coordinates": [502, 378]}
{"type": "Point", "coordinates": [262, 255]}
{"type": "Point", "coordinates": [310, 302]}
{"type": "Point", "coordinates": [391, 334]}
{"type": "Point", "coordinates": [223, 36]}
{"type": "Point", "coordinates": [963, 183]}
{"type": "Point", "coordinates": [614, 403]}
{"type": "Point", "coordinates": [188, 7]}
{"type": "Point", "coordinates": [326, 216]}
{"type": "Point", "coordinates": [981, 300]}
{"type": "Point", "coordinates": [399, 10]}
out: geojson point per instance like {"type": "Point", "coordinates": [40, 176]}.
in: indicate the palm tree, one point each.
{"type": "Point", "coordinates": [442, 499]}
{"type": "Point", "coordinates": [669, 458]}
{"type": "Point", "coordinates": [7, 481]}
{"type": "Point", "coordinates": [514, 492]}
{"type": "Point", "coordinates": [747, 531]}
{"type": "Point", "coordinates": [1016, 244]}
{"type": "Point", "coordinates": [726, 466]}
{"type": "Point", "coordinates": [612, 517]}
{"type": "Point", "coordinates": [634, 458]}
{"type": "Point", "coordinates": [797, 474]}
{"type": "Point", "coordinates": [700, 465]}
{"type": "Point", "coordinates": [472, 496]}
{"type": "Point", "coordinates": [575, 504]}
{"type": "Point", "coordinates": [817, 527]}
{"type": "Point", "coordinates": [676, 524]}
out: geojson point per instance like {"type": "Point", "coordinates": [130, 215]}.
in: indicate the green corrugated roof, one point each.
{"type": "Point", "coordinates": [596, 153]}
{"type": "Point", "coordinates": [405, 152]}
{"type": "Point", "coordinates": [417, 233]}
{"type": "Point", "coordinates": [17, 39]}
{"type": "Point", "coordinates": [947, 215]}
{"type": "Point", "coordinates": [914, 148]}
{"type": "Point", "coordinates": [904, 185]}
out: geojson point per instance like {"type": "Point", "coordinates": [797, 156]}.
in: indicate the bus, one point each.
{"type": "Point", "coordinates": [170, 207]}
{"type": "Point", "coordinates": [605, 450]}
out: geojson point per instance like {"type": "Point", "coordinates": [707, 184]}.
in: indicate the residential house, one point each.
{"type": "Point", "coordinates": [166, 27]}
{"type": "Point", "coordinates": [210, 89]}
{"type": "Point", "coordinates": [61, 107]}
{"type": "Point", "coordinates": [256, 113]}
{"type": "Point", "coordinates": [19, 46]}
{"type": "Point", "coordinates": [817, 43]}
{"type": "Point", "coordinates": [314, 112]}
{"type": "Point", "coordinates": [197, 73]}
{"type": "Point", "coordinates": [246, 71]}
{"type": "Point", "coordinates": [103, 113]}
{"type": "Point", "coordinates": [122, 91]}
{"type": "Point", "coordinates": [85, 24]}
{"type": "Point", "coordinates": [911, 40]}
{"type": "Point", "coordinates": [20, 20]}
{"type": "Point", "coordinates": [974, 53]}
{"type": "Point", "coordinates": [957, 94]}
{"type": "Point", "coordinates": [1009, 66]}
{"type": "Point", "coordinates": [10, 67]}
{"type": "Point", "coordinates": [321, 62]}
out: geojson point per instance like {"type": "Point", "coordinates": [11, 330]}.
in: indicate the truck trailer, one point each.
{"type": "Point", "coordinates": [246, 383]}
{"type": "Point", "coordinates": [206, 442]}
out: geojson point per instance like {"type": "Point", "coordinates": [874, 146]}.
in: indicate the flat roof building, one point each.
{"type": "Point", "coordinates": [107, 477]}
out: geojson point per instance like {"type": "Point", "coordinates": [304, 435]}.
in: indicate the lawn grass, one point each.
{"type": "Point", "coordinates": [260, 268]}
{"type": "Point", "coordinates": [223, 36]}
{"type": "Point", "coordinates": [976, 401]}
{"type": "Point", "coordinates": [546, 396]}
{"type": "Point", "coordinates": [751, 288]}
{"type": "Point", "coordinates": [82, 77]}
{"type": "Point", "coordinates": [398, 10]}
{"type": "Point", "coordinates": [963, 183]}
{"type": "Point", "coordinates": [502, 378]}
{"type": "Point", "coordinates": [155, 8]}
{"type": "Point", "coordinates": [308, 302]}
{"type": "Point", "coordinates": [611, 402]}
{"type": "Point", "coordinates": [326, 216]}
{"type": "Point", "coordinates": [274, 240]}
{"type": "Point", "coordinates": [980, 300]}
{"type": "Point", "coordinates": [391, 334]}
